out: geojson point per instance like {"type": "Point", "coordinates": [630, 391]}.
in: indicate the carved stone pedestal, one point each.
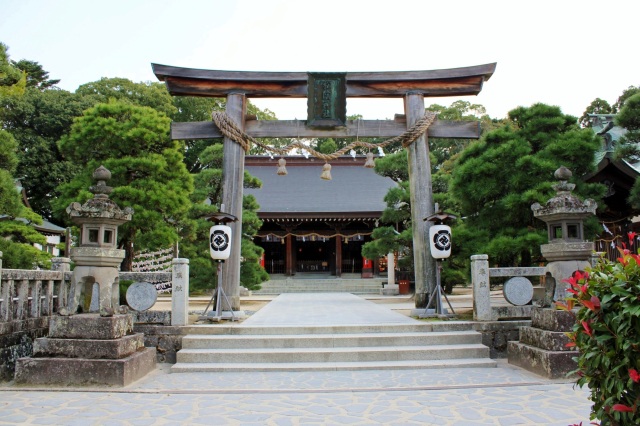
{"type": "Point", "coordinates": [87, 349]}
{"type": "Point", "coordinates": [542, 347]}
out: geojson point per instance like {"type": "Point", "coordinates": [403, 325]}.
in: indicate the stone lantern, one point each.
{"type": "Point", "coordinates": [97, 260]}
{"type": "Point", "coordinates": [564, 214]}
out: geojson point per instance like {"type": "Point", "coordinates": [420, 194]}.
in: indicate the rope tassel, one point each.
{"type": "Point", "coordinates": [282, 169]}
{"type": "Point", "coordinates": [369, 164]}
{"type": "Point", "coordinates": [326, 172]}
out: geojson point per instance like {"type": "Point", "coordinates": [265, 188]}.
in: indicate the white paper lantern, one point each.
{"type": "Point", "coordinates": [440, 239]}
{"type": "Point", "coordinates": [220, 242]}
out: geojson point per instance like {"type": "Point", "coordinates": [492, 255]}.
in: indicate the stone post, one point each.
{"type": "Point", "coordinates": [391, 288]}
{"type": "Point", "coordinates": [180, 292]}
{"type": "Point", "coordinates": [391, 269]}
{"type": "Point", "coordinates": [0, 264]}
{"type": "Point", "coordinates": [481, 287]}
{"type": "Point", "coordinates": [62, 264]}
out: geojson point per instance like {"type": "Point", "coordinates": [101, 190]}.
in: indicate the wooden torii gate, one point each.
{"type": "Point", "coordinates": [412, 86]}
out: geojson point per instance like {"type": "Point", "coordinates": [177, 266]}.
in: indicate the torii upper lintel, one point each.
{"type": "Point", "coordinates": [387, 84]}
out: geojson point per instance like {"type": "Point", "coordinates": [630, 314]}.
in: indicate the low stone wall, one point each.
{"type": "Point", "coordinates": [159, 333]}
{"type": "Point", "coordinates": [16, 341]}
{"type": "Point", "coordinates": [497, 334]}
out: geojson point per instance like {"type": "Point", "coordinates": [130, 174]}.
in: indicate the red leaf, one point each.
{"type": "Point", "coordinates": [635, 376]}
{"type": "Point", "coordinates": [570, 345]}
{"type": "Point", "coordinates": [623, 408]}
{"type": "Point", "coordinates": [593, 304]}
{"type": "Point", "coordinates": [587, 328]}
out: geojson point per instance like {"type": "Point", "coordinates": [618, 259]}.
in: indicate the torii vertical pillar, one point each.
{"type": "Point", "coordinates": [421, 202]}
{"type": "Point", "coordinates": [232, 191]}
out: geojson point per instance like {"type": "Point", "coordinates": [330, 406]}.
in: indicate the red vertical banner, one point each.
{"type": "Point", "coordinates": [367, 268]}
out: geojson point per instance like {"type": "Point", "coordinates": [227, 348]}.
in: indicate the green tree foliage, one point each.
{"type": "Point", "coordinates": [598, 106]}
{"type": "Point", "coordinates": [629, 118]}
{"type": "Point", "coordinates": [36, 76]}
{"type": "Point", "coordinates": [497, 179]}
{"type": "Point", "coordinates": [397, 235]}
{"type": "Point", "coordinates": [626, 94]}
{"type": "Point", "coordinates": [16, 235]}
{"type": "Point", "coordinates": [10, 202]}
{"type": "Point", "coordinates": [147, 167]}
{"type": "Point", "coordinates": [628, 148]}
{"type": "Point", "coordinates": [206, 201]}
{"type": "Point", "coordinates": [193, 109]}
{"type": "Point", "coordinates": [152, 95]}
{"type": "Point", "coordinates": [12, 80]}
{"type": "Point", "coordinates": [327, 146]}
{"type": "Point", "coordinates": [443, 149]}
{"type": "Point", "coordinates": [38, 120]}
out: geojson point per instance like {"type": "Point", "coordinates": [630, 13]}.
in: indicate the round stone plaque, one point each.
{"type": "Point", "coordinates": [141, 296]}
{"type": "Point", "coordinates": [518, 291]}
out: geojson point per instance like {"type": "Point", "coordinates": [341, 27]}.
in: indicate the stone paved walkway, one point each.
{"type": "Point", "coordinates": [504, 396]}
{"type": "Point", "coordinates": [476, 396]}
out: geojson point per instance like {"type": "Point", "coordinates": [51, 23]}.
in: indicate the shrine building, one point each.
{"type": "Point", "coordinates": [313, 225]}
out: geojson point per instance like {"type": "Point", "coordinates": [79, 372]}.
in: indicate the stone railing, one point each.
{"type": "Point", "coordinates": [481, 274]}
{"type": "Point", "coordinates": [31, 294]}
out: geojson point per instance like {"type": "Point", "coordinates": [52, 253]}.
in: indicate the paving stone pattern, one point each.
{"type": "Point", "coordinates": [504, 396]}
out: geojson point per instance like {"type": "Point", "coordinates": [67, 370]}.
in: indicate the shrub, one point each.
{"type": "Point", "coordinates": [606, 302]}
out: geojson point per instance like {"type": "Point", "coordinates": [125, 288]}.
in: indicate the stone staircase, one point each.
{"type": "Point", "coordinates": [322, 283]}
{"type": "Point", "coordinates": [542, 346]}
{"type": "Point", "coordinates": [217, 348]}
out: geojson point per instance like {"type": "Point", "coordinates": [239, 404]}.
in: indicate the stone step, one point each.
{"type": "Point", "coordinates": [329, 340]}
{"type": "Point", "coordinates": [544, 339]}
{"type": "Point", "coordinates": [322, 285]}
{"type": "Point", "coordinates": [84, 371]}
{"type": "Point", "coordinates": [335, 354]}
{"type": "Point", "coordinates": [333, 366]}
{"type": "Point", "coordinates": [550, 364]}
{"type": "Point", "coordinates": [425, 327]}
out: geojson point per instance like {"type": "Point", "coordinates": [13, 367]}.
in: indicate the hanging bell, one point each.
{"type": "Point", "coordinates": [369, 164]}
{"type": "Point", "coordinates": [282, 169]}
{"type": "Point", "coordinates": [326, 172]}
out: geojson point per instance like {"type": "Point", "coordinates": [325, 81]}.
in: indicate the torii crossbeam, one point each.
{"type": "Point", "coordinates": [412, 86]}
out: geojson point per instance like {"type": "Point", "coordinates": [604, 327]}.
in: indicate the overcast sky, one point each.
{"type": "Point", "coordinates": [560, 52]}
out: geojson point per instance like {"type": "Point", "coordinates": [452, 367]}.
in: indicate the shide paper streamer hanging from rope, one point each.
{"type": "Point", "coordinates": [231, 130]}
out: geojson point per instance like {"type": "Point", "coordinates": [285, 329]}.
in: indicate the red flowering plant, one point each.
{"type": "Point", "coordinates": [606, 302]}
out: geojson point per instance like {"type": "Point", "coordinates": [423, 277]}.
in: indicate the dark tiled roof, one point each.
{"type": "Point", "coordinates": [353, 188]}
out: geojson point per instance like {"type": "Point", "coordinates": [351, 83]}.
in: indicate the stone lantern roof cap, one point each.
{"type": "Point", "coordinates": [100, 206]}
{"type": "Point", "coordinates": [564, 205]}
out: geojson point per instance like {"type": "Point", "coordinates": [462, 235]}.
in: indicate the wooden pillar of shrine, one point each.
{"type": "Point", "coordinates": [421, 203]}
{"type": "Point", "coordinates": [338, 256]}
{"type": "Point", "coordinates": [232, 184]}
{"type": "Point", "coordinates": [289, 264]}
